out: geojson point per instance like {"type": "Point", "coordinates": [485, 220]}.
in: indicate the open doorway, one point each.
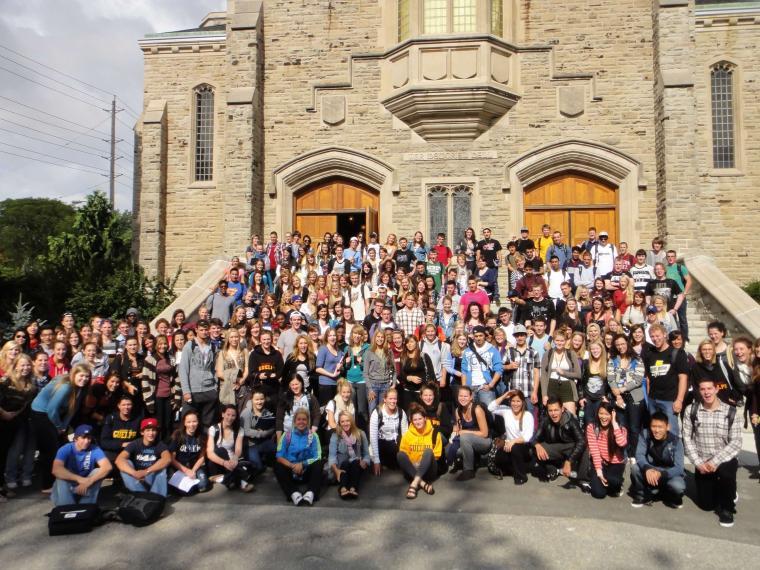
{"type": "Point", "coordinates": [351, 224]}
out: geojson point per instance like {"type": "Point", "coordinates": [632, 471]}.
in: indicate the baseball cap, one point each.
{"type": "Point", "coordinates": [296, 314]}
{"type": "Point", "coordinates": [651, 309]}
{"type": "Point", "coordinates": [132, 311]}
{"type": "Point", "coordinates": [84, 430]}
{"type": "Point", "coordinates": [296, 298]}
{"type": "Point", "coordinates": [520, 329]}
{"type": "Point", "coordinates": [524, 229]}
{"type": "Point", "coordinates": [149, 423]}
{"type": "Point", "coordinates": [604, 234]}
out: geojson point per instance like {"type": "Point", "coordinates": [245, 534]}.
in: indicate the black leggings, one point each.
{"type": "Point", "coordinates": [164, 416]}
{"type": "Point", "coordinates": [388, 451]}
{"type": "Point", "coordinates": [427, 470]}
{"type": "Point", "coordinates": [311, 478]}
{"type": "Point", "coordinates": [613, 472]}
{"type": "Point", "coordinates": [48, 440]}
{"type": "Point", "coordinates": [352, 472]}
{"type": "Point", "coordinates": [515, 462]}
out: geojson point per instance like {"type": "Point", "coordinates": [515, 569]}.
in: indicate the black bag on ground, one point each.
{"type": "Point", "coordinates": [72, 519]}
{"type": "Point", "coordinates": [141, 509]}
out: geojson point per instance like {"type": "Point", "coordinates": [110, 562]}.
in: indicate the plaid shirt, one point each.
{"type": "Point", "coordinates": [522, 376]}
{"type": "Point", "coordinates": [408, 320]}
{"type": "Point", "coordinates": [710, 439]}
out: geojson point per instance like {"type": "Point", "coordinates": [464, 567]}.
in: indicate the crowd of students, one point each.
{"type": "Point", "coordinates": [327, 361]}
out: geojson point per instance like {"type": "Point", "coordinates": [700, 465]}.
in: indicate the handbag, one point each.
{"type": "Point", "coordinates": [72, 519]}
{"type": "Point", "coordinates": [141, 509]}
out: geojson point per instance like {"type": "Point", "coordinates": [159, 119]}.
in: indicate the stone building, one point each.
{"type": "Point", "coordinates": [635, 116]}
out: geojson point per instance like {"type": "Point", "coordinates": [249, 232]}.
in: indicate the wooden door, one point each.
{"type": "Point", "coordinates": [370, 221]}
{"type": "Point", "coordinates": [316, 225]}
{"type": "Point", "coordinates": [571, 203]}
{"type": "Point", "coordinates": [315, 209]}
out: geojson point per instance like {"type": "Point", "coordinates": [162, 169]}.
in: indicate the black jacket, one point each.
{"type": "Point", "coordinates": [568, 430]}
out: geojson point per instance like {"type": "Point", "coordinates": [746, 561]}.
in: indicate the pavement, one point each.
{"type": "Point", "coordinates": [484, 523]}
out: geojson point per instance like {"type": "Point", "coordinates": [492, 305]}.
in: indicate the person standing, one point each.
{"type": "Point", "coordinates": [197, 375]}
{"type": "Point", "coordinates": [712, 439]}
{"type": "Point", "coordinates": [678, 273]}
{"type": "Point", "coordinates": [488, 249]}
{"type": "Point", "coordinates": [667, 373]}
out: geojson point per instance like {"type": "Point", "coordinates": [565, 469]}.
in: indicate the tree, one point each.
{"type": "Point", "coordinates": [25, 225]}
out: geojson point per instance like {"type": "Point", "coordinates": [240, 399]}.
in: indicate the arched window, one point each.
{"type": "Point", "coordinates": [449, 210]}
{"type": "Point", "coordinates": [204, 133]}
{"type": "Point", "coordinates": [723, 115]}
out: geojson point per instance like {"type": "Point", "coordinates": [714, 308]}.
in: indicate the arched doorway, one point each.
{"type": "Point", "coordinates": [572, 203]}
{"type": "Point", "coordinates": [336, 205]}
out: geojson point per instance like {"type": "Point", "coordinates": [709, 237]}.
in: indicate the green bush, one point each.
{"type": "Point", "coordinates": [753, 289]}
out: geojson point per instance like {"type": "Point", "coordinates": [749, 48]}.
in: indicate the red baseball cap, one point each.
{"type": "Point", "coordinates": [149, 423]}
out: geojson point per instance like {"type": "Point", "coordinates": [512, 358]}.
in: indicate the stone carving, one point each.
{"type": "Point", "coordinates": [572, 100]}
{"type": "Point", "coordinates": [333, 109]}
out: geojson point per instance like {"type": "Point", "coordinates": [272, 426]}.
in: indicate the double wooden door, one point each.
{"type": "Point", "coordinates": [317, 208]}
{"type": "Point", "coordinates": [571, 204]}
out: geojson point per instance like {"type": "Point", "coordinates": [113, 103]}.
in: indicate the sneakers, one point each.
{"type": "Point", "coordinates": [296, 498]}
{"type": "Point", "coordinates": [585, 487]}
{"type": "Point", "coordinates": [674, 503]}
{"type": "Point", "coordinates": [26, 483]}
{"type": "Point", "coordinates": [618, 493]}
{"type": "Point", "coordinates": [216, 478]}
{"type": "Point", "coordinates": [552, 473]}
{"type": "Point", "coordinates": [12, 485]}
{"type": "Point", "coordinates": [246, 487]}
{"type": "Point", "coordinates": [639, 502]}
{"type": "Point", "coordinates": [726, 519]}
{"type": "Point", "coordinates": [308, 498]}
{"type": "Point", "coordinates": [466, 475]}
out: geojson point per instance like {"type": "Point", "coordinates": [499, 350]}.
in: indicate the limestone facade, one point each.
{"type": "Point", "coordinates": [306, 91]}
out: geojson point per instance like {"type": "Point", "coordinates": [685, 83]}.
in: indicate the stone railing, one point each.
{"type": "Point", "coordinates": [195, 295]}
{"type": "Point", "coordinates": [720, 297]}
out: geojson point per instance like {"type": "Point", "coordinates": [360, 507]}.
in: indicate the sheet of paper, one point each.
{"type": "Point", "coordinates": [182, 481]}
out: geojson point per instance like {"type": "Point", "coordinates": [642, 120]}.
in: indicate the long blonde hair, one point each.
{"type": "Point", "coordinates": [353, 430]}
{"type": "Point", "coordinates": [602, 358]}
{"type": "Point", "coordinates": [68, 380]}
{"type": "Point", "coordinates": [17, 381]}
{"type": "Point", "coordinates": [340, 405]}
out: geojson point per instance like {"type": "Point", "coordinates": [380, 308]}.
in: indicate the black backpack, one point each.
{"type": "Point", "coordinates": [141, 509]}
{"type": "Point", "coordinates": [731, 416]}
{"type": "Point", "coordinates": [73, 519]}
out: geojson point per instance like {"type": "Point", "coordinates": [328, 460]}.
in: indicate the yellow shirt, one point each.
{"type": "Point", "coordinates": [414, 443]}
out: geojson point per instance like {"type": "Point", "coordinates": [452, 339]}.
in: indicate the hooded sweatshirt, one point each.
{"type": "Point", "coordinates": [414, 443]}
{"type": "Point", "coordinates": [260, 362]}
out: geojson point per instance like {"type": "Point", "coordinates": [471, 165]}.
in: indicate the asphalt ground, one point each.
{"type": "Point", "coordinates": [483, 523]}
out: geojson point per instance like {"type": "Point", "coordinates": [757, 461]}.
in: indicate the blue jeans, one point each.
{"type": "Point", "coordinates": [255, 452]}
{"type": "Point", "coordinates": [154, 482]}
{"type": "Point", "coordinates": [23, 444]}
{"type": "Point", "coordinates": [667, 408]}
{"type": "Point", "coordinates": [63, 494]}
{"type": "Point", "coordinates": [641, 489]}
{"type": "Point", "coordinates": [379, 396]}
{"type": "Point", "coordinates": [484, 397]}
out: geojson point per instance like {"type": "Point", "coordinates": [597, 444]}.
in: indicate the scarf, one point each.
{"type": "Point", "coordinates": [350, 442]}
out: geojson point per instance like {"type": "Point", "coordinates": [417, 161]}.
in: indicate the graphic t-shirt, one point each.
{"type": "Point", "coordinates": [663, 373]}
{"type": "Point", "coordinates": [187, 451]}
{"type": "Point", "coordinates": [665, 287]}
{"type": "Point", "coordinates": [143, 456]}
{"type": "Point", "coordinates": [81, 463]}
{"type": "Point", "coordinates": [489, 249]}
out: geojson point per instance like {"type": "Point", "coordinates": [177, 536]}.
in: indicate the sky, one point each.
{"type": "Point", "coordinates": [58, 119]}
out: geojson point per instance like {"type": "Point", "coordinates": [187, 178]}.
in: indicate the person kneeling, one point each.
{"type": "Point", "coordinates": [606, 446]}
{"type": "Point", "coordinates": [349, 455]}
{"type": "Point", "coordinates": [514, 454]}
{"type": "Point", "coordinates": [224, 449]}
{"type": "Point", "coordinates": [387, 425]}
{"type": "Point", "coordinates": [659, 465]}
{"type": "Point", "coordinates": [419, 452]}
{"type": "Point", "coordinates": [559, 441]}
{"type": "Point", "coordinates": [144, 461]}
{"type": "Point", "coordinates": [299, 461]}
{"type": "Point", "coordinates": [79, 468]}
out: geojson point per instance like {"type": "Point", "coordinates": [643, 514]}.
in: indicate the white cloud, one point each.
{"type": "Point", "coordinates": [93, 40]}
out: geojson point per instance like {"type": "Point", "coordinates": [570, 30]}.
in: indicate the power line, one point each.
{"type": "Point", "coordinates": [53, 124]}
{"type": "Point", "coordinates": [51, 143]}
{"type": "Point", "coordinates": [43, 112]}
{"type": "Point", "coordinates": [49, 155]}
{"type": "Point", "coordinates": [69, 95]}
{"type": "Point", "coordinates": [125, 124]}
{"type": "Point", "coordinates": [53, 79]}
{"type": "Point", "coordinates": [53, 163]}
{"type": "Point", "coordinates": [70, 141]}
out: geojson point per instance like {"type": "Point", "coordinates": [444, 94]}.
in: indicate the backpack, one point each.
{"type": "Point", "coordinates": [731, 416]}
{"type": "Point", "coordinates": [72, 519]}
{"type": "Point", "coordinates": [141, 509]}
{"type": "Point", "coordinates": [493, 468]}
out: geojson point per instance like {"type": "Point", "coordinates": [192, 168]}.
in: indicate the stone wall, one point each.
{"type": "Point", "coordinates": [729, 202]}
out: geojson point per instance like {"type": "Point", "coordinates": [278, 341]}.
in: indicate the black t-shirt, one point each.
{"type": "Point", "coordinates": [524, 245]}
{"type": "Point", "coordinates": [488, 249]}
{"type": "Point", "coordinates": [668, 288]}
{"type": "Point", "coordinates": [143, 456]}
{"type": "Point", "coordinates": [543, 308]}
{"type": "Point", "coordinates": [536, 263]}
{"type": "Point", "coordinates": [614, 276]}
{"type": "Point", "coordinates": [663, 372]}
{"type": "Point", "coordinates": [187, 451]}
{"type": "Point", "coordinates": [403, 259]}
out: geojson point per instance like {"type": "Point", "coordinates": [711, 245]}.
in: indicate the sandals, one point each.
{"type": "Point", "coordinates": [411, 492]}
{"type": "Point", "coordinates": [428, 488]}
{"type": "Point", "coordinates": [344, 493]}
{"type": "Point", "coordinates": [353, 493]}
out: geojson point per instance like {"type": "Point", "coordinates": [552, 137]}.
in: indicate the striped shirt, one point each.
{"type": "Point", "coordinates": [598, 449]}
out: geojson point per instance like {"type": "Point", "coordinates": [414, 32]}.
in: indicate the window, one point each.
{"type": "Point", "coordinates": [204, 133]}
{"type": "Point", "coordinates": [403, 19]}
{"type": "Point", "coordinates": [449, 210]}
{"type": "Point", "coordinates": [449, 16]}
{"type": "Point", "coordinates": [497, 17]}
{"type": "Point", "coordinates": [723, 126]}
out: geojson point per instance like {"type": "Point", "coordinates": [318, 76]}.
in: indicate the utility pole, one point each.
{"type": "Point", "coordinates": [112, 173]}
